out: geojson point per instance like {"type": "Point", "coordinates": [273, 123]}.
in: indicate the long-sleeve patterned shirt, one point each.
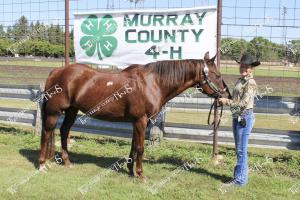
{"type": "Point", "coordinates": [243, 95]}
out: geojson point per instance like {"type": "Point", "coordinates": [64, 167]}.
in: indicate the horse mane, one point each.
{"type": "Point", "coordinates": [131, 67]}
{"type": "Point", "coordinates": [175, 73]}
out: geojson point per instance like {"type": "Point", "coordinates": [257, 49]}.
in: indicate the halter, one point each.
{"type": "Point", "coordinates": [217, 91]}
{"type": "Point", "coordinates": [216, 95]}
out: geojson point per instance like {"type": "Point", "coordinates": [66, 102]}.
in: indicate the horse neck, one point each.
{"type": "Point", "coordinates": [173, 91]}
{"type": "Point", "coordinates": [168, 90]}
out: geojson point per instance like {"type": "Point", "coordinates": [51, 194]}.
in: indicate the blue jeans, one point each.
{"type": "Point", "coordinates": [241, 135]}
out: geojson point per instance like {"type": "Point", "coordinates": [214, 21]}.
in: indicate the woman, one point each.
{"type": "Point", "coordinates": [241, 106]}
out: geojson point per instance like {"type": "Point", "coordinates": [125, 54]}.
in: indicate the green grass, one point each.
{"type": "Point", "coordinates": [92, 155]}
{"type": "Point", "coordinates": [279, 122]}
{"type": "Point", "coordinates": [28, 75]}
{"type": "Point", "coordinates": [263, 72]}
{"type": "Point", "coordinates": [34, 63]}
{"type": "Point", "coordinates": [20, 74]}
{"type": "Point", "coordinates": [16, 103]}
{"type": "Point", "coordinates": [225, 69]}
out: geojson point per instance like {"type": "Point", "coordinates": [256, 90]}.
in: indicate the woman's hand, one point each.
{"type": "Point", "coordinates": [223, 101]}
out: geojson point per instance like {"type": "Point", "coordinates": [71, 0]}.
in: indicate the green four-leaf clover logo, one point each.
{"type": "Point", "coordinates": [98, 36]}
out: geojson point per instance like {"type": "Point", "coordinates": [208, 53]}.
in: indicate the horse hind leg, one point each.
{"type": "Point", "coordinates": [47, 139]}
{"type": "Point", "coordinates": [70, 117]}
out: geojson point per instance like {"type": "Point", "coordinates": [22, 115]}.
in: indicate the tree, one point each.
{"type": "Point", "coordinates": [260, 47]}
{"type": "Point", "coordinates": [39, 31]}
{"type": "Point", "coordinates": [57, 50]}
{"type": "Point", "coordinates": [263, 49]}
{"type": "Point", "coordinates": [233, 48]}
{"type": "Point", "coordinates": [293, 54]}
{"type": "Point", "coordinates": [42, 31]}
{"type": "Point", "coordinates": [31, 27]}
{"type": "Point", "coordinates": [59, 34]}
{"type": "Point", "coordinates": [4, 45]}
{"type": "Point", "coordinates": [35, 47]}
{"type": "Point", "coordinates": [72, 51]}
{"type": "Point", "coordinates": [2, 32]}
{"type": "Point", "coordinates": [9, 32]}
{"type": "Point", "coordinates": [51, 34]}
{"type": "Point", "coordinates": [55, 34]}
{"type": "Point", "coordinates": [21, 29]}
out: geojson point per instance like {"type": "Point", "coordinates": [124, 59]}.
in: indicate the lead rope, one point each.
{"type": "Point", "coordinates": [210, 111]}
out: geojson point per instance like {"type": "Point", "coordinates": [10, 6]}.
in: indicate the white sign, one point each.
{"type": "Point", "coordinates": [122, 38]}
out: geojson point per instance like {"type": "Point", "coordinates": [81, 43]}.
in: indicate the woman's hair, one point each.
{"type": "Point", "coordinates": [246, 66]}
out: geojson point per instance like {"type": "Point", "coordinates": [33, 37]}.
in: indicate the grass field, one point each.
{"type": "Point", "coordinates": [34, 63]}
{"type": "Point", "coordinates": [267, 71]}
{"type": "Point", "coordinates": [279, 122]}
{"type": "Point", "coordinates": [272, 172]}
{"type": "Point", "coordinates": [22, 72]}
{"type": "Point", "coordinates": [264, 72]}
{"type": "Point", "coordinates": [16, 103]}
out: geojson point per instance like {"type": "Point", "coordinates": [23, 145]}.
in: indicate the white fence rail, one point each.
{"type": "Point", "coordinates": [266, 138]}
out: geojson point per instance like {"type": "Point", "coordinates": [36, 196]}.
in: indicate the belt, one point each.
{"type": "Point", "coordinates": [247, 111]}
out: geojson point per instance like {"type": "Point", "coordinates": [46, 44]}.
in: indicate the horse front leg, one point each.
{"type": "Point", "coordinates": [132, 156]}
{"type": "Point", "coordinates": [139, 137]}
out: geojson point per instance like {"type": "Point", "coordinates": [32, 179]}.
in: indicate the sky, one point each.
{"type": "Point", "coordinates": [241, 18]}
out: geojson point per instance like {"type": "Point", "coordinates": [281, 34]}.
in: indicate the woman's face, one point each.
{"type": "Point", "coordinates": [245, 70]}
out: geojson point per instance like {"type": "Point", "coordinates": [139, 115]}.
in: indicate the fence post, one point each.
{"type": "Point", "coordinates": [219, 32]}
{"type": "Point", "coordinates": [215, 155]}
{"type": "Point", "coordinates": [38, 116]}
{"type": "Point", "coordinates": [67, 41]}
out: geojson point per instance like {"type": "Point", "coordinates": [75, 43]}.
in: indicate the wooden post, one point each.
{"type": "Point", "coordinates": [215, 155]}
{"type": "Point", "coordinates": [67, 41]}
{"type": "Point", "coordinates": [219, 32]}
{"type": "Point", "coordinates": [38, 116]}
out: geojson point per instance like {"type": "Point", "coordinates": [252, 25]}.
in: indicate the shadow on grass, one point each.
{"type": "Point", "coordinates": [76, 158]}
{"type": "Point", "coordinates": [11, 130]}
{"type": "Point", "coordinates": [106, 162]}
{"type": "Point", "coordinates": [179, 163]}
{"type": "Point", "coordinates": [104, 140]}
{"type": "Point", "coordinates": [223, 178]}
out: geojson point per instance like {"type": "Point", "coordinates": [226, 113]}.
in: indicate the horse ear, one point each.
{"type": "Point", "coordinates": [213, 58]}
{"type": "Point", "coordinates": [206, 56]}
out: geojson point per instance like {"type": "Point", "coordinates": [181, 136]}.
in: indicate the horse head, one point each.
{"type": "Point", "coordinates": [211, 82]}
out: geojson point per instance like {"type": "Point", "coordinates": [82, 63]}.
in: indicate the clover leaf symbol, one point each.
{"type": "Point", "coordinates": [98, 36]}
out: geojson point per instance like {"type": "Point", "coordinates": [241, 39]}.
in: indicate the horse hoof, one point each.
{"type": "Point", "coordinates": [143, 178]}
{"type": "Point", "coordinates": [70, 165]}
{"type": "Point", "coordinates": [131, 174]}
{"type": "Point", "coordinates": [67, 163]}
{"type": "Point", "coordinates": [42, 168]}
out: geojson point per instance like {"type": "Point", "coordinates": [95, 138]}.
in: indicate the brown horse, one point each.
{"type": "Point", "coordinates": [132, 95]}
